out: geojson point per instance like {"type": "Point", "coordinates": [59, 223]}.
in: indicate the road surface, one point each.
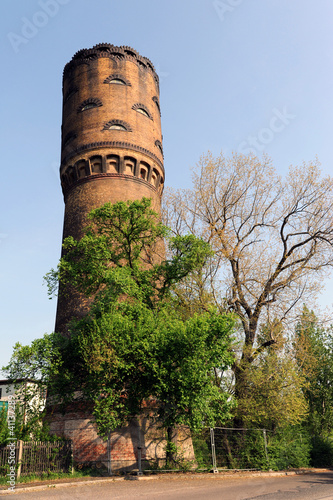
{"type": "Point", "coordinates": [313, 486]}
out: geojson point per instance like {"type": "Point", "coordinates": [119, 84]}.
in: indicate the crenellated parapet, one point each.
{"type": "Point", "coordinates": [85, 56]}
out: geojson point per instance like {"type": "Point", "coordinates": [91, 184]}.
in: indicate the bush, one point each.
{"type": "Point", "coordinates": [321, 454]}
{"type": "Point", "coordinates": [202, 450]}
{"type": "Point", "coordinates": [288, 448]}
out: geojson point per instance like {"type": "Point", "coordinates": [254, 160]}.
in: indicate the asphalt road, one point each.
{"type": "Point", "coordinates": [317, 486]}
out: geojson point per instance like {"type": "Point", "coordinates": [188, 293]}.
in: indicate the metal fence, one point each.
{"type": "Point", "coordinates": [250, 449]}
{"type": "Point", "coordinates": [35, 457]}
{"type": "Point", "coordinates": [215, 449]}
{"type": "Point", "coordinates": [238, 448]}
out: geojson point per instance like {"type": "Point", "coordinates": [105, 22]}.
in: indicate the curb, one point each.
{"type": "Point", "coordinates": [19, 489]}
{"type": "Point", "coordinates": [220, 475]}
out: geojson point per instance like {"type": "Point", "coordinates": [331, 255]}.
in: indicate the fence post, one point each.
{"type": "Point", "coordinates": [72, 457]}
{"type": "Point", "coordinates": [109, 454]}
{"type": "Point", "coordinates": [212, 443]}
{"type": "Point", "coordinates": [265, 442]}
{"type": "Point", "coordinates": [139, 473]}
{"type": "Point", "coordinates": [19, 459]}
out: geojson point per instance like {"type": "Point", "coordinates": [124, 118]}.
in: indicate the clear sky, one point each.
{"type": "Point", "coordinates": [234, 75]}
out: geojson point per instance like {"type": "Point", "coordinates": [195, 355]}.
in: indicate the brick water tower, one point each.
{"type": "Point", "coordinates": [111, 141]}
{"type": "Point", "coordinates": [111, 151]}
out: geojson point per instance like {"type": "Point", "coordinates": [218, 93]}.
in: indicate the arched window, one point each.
{"type": "Point", "coordinates": [154, 177]}
{"type": "Point", "coordinates": [161, 185]}
{"type": "Point", "coordinates": [117, 79]}
{"type": "Point", "coordinates": [88, 106]}
{"type": "Point", "coordinates": [144, 170]}
{"type": "Point", "coordinates": [71, 91]}
{"type": "Point", "coordinates": [112, 162]}
{"type": "Point", "coordinates": [64, 181]}
{"type": "Point", "coordinates": [142, 109]}
{"type": "Point", "coordinates": [96, 165]}
{"type": "Point", "coordinates": [117, 125]}
{"type": "Point", "coordinates": [90, 103]}
{"type": "Point", "coordinates": [129, 165]}
{"type": "Point", "coordinates": [69, 138]}
{"type": "Point", "coordinates": [156, 101]}
{"type": "Point", "coordinates": [81, 169]}
{"type": "Point", "coordinates": [158, 144]}
{"type": "Point", "coordinates": [71, 175]}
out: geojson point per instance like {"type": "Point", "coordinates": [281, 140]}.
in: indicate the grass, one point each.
{"type": "Point", "coordinates": [49, 476]}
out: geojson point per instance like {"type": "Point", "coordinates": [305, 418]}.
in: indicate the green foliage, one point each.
{"type": "Point", "coordinates": [79, 472]}
{"type": "Point", "coordinates": [314, 346]}
{"type": "Point", "coordinates": [321, 454]}
{"type": "Point", "coordinates": [132, 347]}
{"type": "Point", "coordinates": [123, 234]}
{"type": "Point", "coordinates": [272, 386]}
{"type": "Point", "coordinates": [122, 253]}
{"type": "Point", "coordinates": [33, 362]}
{"type": "Point", "coordinates": [288, 448]}
{"type": "Point", "coordinates": [240, 448]}
{"type": "Point", "coordinates": [171, 447]}
{"type": "Point", "coordinates": [16, 428]}
{"type": "Point", "coordinates": [186, 352]}
{"type": "Point", "coordinates": [202, 449]}
{"type": "Point", "coordinates": [34, 370]}
{"type": "Point", "coordinates": [130, 353]}
{"type": "Point", "coordinates": [27, 426]}
{"type": "Point", "coordinates": [4, 431]}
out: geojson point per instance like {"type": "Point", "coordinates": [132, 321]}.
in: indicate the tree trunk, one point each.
{"type": "Point", "coordinates": [171, 449]}
{"type": "Point", "coordinates": [241, 380]}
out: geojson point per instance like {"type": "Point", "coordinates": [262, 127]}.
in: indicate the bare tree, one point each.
{"type": "Point", "coordinates": [272, 237]}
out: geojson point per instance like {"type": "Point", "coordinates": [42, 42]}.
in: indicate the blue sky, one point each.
{"type": "Point", "coordinates": [234, 75]}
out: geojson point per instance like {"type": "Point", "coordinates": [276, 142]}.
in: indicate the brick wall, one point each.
{"type": "Point", "coordinates": [77, 424]}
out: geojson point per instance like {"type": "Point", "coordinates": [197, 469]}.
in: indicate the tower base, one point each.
{"type": "Point", "coordinates": [142, 440]}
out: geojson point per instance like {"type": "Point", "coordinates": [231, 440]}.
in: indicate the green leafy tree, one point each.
{"type": "Point", "coordinates": [130, 354]}
{"type": "Point", "coordinates": [4, 431]}
{"type": "Point", "coordinates": [33, 370]}
{"type": "Point", "coordinates": [123, 250]}
{"type": "Point", "coordinates": [274, 397]}
{"type": "Point", "coordinates": [133, 346]}
{"type": "Point", "coordinates": [314, 347]}
{"type": "Point", "coordinates": [118, 262]}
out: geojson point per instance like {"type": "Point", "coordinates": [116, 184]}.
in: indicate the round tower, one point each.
{"type": "Point", "coordinates": [111, 140]}
{"type": "Point", "coordinates": [111, 151]}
